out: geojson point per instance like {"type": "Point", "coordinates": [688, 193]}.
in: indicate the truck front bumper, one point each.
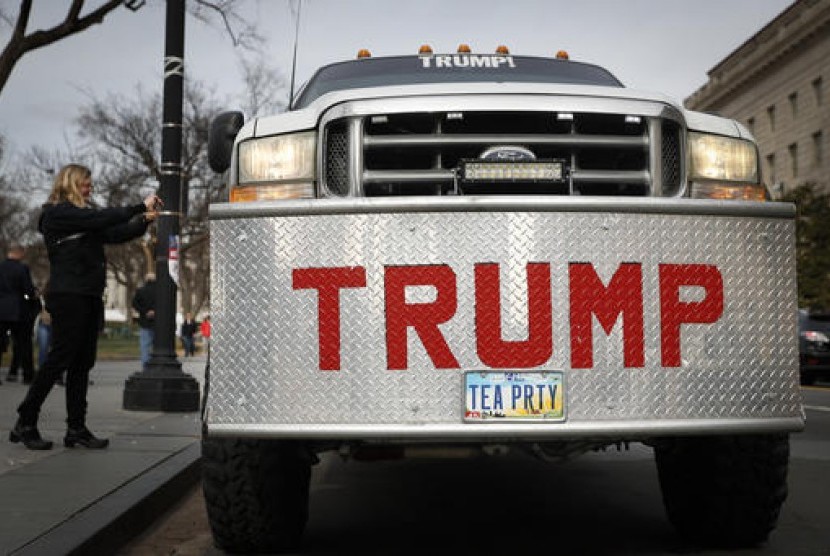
{"type": "Point", "coordinates": [359, 318]}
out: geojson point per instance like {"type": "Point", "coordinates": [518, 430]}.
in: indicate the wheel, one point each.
{"type": "Point", "coordinates": [256, 493]}
{"type": "Point", "coordinates": [724, 491]}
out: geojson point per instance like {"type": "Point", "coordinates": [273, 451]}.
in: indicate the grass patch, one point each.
{"type": "Point", "coordinates": [118, 347]}
{"type": "Point", "coordinates": [121, 344]}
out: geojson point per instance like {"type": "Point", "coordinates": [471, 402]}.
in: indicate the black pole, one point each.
{"type": "Point", "coordinates": [162, 385]}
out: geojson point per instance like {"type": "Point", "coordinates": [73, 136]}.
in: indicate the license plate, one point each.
{"type": "Point", "coordinates": [514, 395]}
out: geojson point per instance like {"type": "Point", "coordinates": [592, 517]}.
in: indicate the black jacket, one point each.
{"type": "Point", "coordinates": [144, 300]}
{"type": "Point", "coordinates": [75, 239]}
{"type": "Point", "coordinates": [188, 328]}
{"type": "Point", "coordinates": [16, 291]}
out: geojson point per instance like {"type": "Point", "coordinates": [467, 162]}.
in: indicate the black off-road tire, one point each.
{"type": "Point", "coordinates": [724, 491]}
{"type": "Point", "coordinates": [256, 493]}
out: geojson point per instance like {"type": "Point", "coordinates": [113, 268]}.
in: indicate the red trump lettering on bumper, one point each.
{"type": "Point", "coordinates": [589, 297]}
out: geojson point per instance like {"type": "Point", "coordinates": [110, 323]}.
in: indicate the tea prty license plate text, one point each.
{"type": "Point", "coordinates": [514, 395]}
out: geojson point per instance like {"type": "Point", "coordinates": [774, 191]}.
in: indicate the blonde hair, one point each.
{"type": "Point", "coordinates": [67, 185]}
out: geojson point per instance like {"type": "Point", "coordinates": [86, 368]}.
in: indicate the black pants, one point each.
{"type": "Point", "coordinates": [22, 356]}
{"type": "Point", "coordinates": [76, 321]}
{"type": "Point", "coordinates": [5, 329]}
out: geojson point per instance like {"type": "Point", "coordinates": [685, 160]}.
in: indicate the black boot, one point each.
{"type": "Point", "coordinates": [85, 438]}
{"type": "Point", "coordinates": [29, 436]}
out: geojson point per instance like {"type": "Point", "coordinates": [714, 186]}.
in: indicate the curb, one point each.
{"type": "Point", "coordinates": [111, 522]}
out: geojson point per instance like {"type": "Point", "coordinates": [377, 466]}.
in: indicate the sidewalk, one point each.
{"type": "Point", "coordinates": [58, 501]}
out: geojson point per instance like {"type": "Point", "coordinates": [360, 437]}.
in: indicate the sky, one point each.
{"type": "Point", "coordinates": [666, 46]}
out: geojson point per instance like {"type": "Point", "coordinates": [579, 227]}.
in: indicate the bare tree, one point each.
{"type": "Point", "coordinates": [122, 134]}
{"type": "Point", "coordinates": [264, 88]}
{"type": "Point", "coordinates": [17, 222]}
{"type": "Point", "coordinates": [12, 217]}
{"type": "Point", "coordinates": [23, 40]}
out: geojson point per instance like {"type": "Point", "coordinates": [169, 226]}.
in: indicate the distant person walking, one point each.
{"type": "Point", "coordinates": [22, 354]}
{"type": "Point", "coordinates": [187, 331]}
{"type": "Point", "coordinates": [17, 298]}
{"type": "Point", "coordinates": [144, 302]}
{"type": "Point", "coordinates": [75, 232]}
{"type": "Point", "coordinates": [204, 330]}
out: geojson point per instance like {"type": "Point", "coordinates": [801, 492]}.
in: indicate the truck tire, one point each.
{"type": "Point", "coordinates": [256, 493]}
{"type": "Point", "coordinates": [724, 491]}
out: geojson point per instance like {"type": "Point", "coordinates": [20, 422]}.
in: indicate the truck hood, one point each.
{"type": "Point", "coordinates": [308, 118]}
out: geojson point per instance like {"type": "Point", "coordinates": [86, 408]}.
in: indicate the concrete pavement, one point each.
{"type": "Point", "coordinates": [76, 501]}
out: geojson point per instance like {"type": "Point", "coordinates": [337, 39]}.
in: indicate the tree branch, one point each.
{"type": "Point", "coordinates": [71, 25]}
{"type": "Point", "coordinates": [20, 43]}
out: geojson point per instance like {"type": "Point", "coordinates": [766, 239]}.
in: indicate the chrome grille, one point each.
{"type": "Point", "coordinates": [420, 153]}
{"type": "Point", "coordinates": [671, 149]}
{"type": "Point", "coordinates": [336, 157]}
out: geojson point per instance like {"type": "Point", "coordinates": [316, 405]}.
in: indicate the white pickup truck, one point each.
{"type": "Point", "coordinates": [489, 252]}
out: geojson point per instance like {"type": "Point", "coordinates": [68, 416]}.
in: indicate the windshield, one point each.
{"type": "Point", "coordinates": [450, 68]}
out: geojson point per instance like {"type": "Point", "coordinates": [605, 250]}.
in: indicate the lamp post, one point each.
{"type": "Point", "coordinates": [162, 385]}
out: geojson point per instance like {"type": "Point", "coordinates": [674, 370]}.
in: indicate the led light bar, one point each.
{"type": "Point", "coordinates": [550, 171]}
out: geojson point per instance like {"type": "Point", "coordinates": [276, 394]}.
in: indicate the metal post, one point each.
{"type": "Point", "coordinates": [162, 385]}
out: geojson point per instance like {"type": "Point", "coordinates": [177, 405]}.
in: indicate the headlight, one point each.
{"type": "Point", "coordinates": [724, 168]}
{"type": "Point", "coordinates": [279, 167]}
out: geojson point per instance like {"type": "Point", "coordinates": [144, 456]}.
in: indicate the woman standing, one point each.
{"type": "Point", "coordinates": [75, 233]}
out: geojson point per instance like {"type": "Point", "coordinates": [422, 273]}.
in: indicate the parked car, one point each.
{"type": "Point", "coordinates": [814, 345]}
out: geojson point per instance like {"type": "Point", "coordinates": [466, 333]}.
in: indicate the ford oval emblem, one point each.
{"type": "Point", "coordinates": [508, 153]}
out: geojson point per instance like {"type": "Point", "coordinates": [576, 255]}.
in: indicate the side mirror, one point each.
{"type": "Point", "coordinates": [222, 133]}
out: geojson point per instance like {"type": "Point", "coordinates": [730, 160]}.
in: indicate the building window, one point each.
{"type": "Point", "coordinates": [771, 169]}
{"type": "Point", "coordinates": [818, 149]}
{"type": "Point", "coordinates": [793, 150]}
{"type": "Point", "coordinates": [771, 117]}
{"type": "Point", "coordinates": [750, 123]}
{"type": "Point", "coordinates": [818, 90]}
{"type": "Point", "coordinates": [794, 104]}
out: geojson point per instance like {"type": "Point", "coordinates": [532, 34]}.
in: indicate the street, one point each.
{"type": "Point", "coordinates": [599, 503]}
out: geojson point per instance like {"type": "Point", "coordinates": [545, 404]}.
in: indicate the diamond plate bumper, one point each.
{"type": "Point", "coordinates": [273, 370]}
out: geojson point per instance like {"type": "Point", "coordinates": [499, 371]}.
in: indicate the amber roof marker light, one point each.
{"type": "Point", "coordinates": [364, 53]}
{"type": "Point", "coordinates": [425, 49]}
{"type": "Point", "coordinates": [501, 49]}
{"type": "Point", "coordinates": [562, 55]}
{"type": "Point", "coordinates": [464, 49]}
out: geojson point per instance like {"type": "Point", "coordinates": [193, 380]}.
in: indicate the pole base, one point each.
{"type": "Point", "coordinates": [173, 391]}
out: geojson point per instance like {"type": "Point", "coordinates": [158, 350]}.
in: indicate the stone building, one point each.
{"type": "Point", "coordinates": [777, 83]}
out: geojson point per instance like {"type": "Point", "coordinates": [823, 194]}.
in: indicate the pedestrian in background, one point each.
{"type": "Point", "coordinates": [204, 330]}
{"type": "Point", "coordinates": [144, 302]}
{"type": "Point", "coordinates": [22, 353]}
{"type": "Point", "coordinates": [187, 331]}
{"type": "Point", "coordinates": [17, 296]}
{"type": "Point", "coordinates": [75, 232]}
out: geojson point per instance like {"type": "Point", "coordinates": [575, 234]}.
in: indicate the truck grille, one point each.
{"type": "Point", "coordinates": [420, 153]}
